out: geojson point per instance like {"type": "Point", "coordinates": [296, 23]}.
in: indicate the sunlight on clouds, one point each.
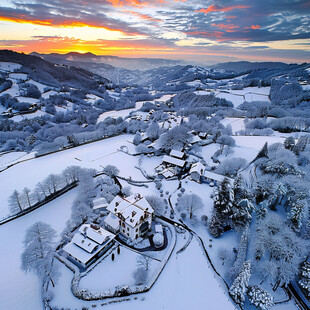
{"type": "Point", "coordinates": [17, 31]}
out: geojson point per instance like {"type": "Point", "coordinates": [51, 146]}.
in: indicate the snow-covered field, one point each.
{"type": "Point", "coordinates": [18, 290]}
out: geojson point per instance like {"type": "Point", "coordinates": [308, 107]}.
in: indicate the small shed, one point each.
{"type": "Point", "coordinates": [197, 171]}
{"type": "Point", "coordinates": [177, 154]}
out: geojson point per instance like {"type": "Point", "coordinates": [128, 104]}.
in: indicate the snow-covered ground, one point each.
{"type": "Point", "coordinates": [9, 66]}
{"type": "Point", "coordinates": [18, 290]}
{"type": "Point", "coordinates": [186, 282]}
{"type": "Point", "coordinates": [95, 155]}
{"type": "Point", "coordinates": [235, 123]}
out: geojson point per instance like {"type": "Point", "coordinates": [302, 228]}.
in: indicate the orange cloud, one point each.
{"type": "Point", "coordinates": [218, 8]}
{"type": "Point", "coordinates": [224, 26]}
{"type": "Point", "coordinates": [99, 47]}
{"type": "Point", "coordinates": [144, 16]}
{"type": "Point", "coordinates": [214, 34]}
{"type": "Point", "coordinates": [255, 27]}
{"type": "Point", "coordinates": [119, 3]}
{"type": "Point", "coordinates": [21, 18]}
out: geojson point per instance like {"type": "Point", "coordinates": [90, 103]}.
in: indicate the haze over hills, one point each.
{"type": "Point", "coordinates": [125, 63]}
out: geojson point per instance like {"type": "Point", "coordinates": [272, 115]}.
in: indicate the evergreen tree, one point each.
{"type": "Point", "coordinates": [260, 298]}
{"type": "Point", "coordinates": [241, 213]}
{"type": "Point", "coordinates": [224, 198]}
{"type": "Point", "coordinates": [289, 143]}
{"type": "Point", "coordinates": [239, 287]}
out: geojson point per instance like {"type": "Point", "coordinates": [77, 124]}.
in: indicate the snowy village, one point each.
{"type": "Point", "coordinates": [174, 175]}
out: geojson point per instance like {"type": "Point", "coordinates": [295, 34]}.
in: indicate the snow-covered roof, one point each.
{"type": "Point", "coordinates": [198, 167]}
{"type": "Point", "coordinates": [84, 243]}
{"type": "Point", "coordinates": [174, 161]}
{"type": "Point", "coordinates": [159, 228]}
{"type": "Point", "coordinates": [96, 233]}
{"type": "Point", "coordinates": [112, 221]}
{"type": "Point", "coordinates": [216, 176]}
{"type": "Point", "coordinates": [167, 173]}
{"type": "Point", "coordinates": [144, 136]}
{"type": "Point", "coordinates": [177, 154]}
{"type": "Point", "coordinates": [99, 202]}
{"type": "Point", "coordinates": [131, 208]}
{"type": "Point", "coordinates": [193, 139]}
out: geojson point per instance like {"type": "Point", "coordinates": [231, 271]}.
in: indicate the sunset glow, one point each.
{"type": "Point", "coordinates": [167, 28]}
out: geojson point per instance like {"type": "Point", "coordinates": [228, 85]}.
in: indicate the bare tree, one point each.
{"type": "Point", "coordinates": [15, 202]}
{"type": "Point", "coordinates": [144, 261]}
{"type": "Point", "coordinates": [38, 256]}
{"type": "Point", "coordinates": [190, 203]}
{"type": "Point", "coordinates": [26, 192]}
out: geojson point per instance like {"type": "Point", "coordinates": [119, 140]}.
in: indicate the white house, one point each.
{"type": "Point", "coordinates": [88, 244]}
{"type": "Point", "coordinates": [197, 171]}
{"type": "Point", "coordinates": [130, 216]}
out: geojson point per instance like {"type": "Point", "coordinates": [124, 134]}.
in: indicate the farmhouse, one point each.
{"type": "Point", "coordinates": [197, 171]}
{"type": "Point", "coordinates": [130, 216]}
{"type": "Point", "coordinates": [88, 244]}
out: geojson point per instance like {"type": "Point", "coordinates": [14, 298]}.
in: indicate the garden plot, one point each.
{"type": "Point", "coordinates": [108, 274]}
{"type": "Point", "coordinates": [20, 290]}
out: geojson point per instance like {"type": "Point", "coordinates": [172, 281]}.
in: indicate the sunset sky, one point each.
{"type": "Point", "coordinates": [197, 30]}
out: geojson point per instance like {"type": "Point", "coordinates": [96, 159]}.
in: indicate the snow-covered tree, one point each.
{"type": "Point", "coordinates": [140, 275]}
{"type": "Point", "coordinates": [240, 189]}
{"type": "Point", "coordinates": [289, 143]}
{"type": "Point", "coordinates": [241, 254]}
{"type": "Point", "coordinates": [241, 213]}
{"type": "Point", "coordinates": [153, 131]}
{"type": "Point", "coordinates": [144, 261]}
{"type": "Point", "coordinates": [110, 170]}
{"type": "Point", "coordinates": [278, 251]}
{"type": "Point", "coordinates": [239, 287]}
{"type": "Point", "coordinates": [305, 277]}
{"type": "Point", "coordinates": [157, 203]}
{"type": "Point", "coordinates": [26, 194]}
{"type": "Point", "coordinates": [15, 203]}
{"type": "Point", "coordinates": [136, 139]}
{"type": "Point", "coordinates": [38, 256]}
{"type": "Point", "coordinates": [190, 203]}
{"type": "Point", "coordinates": [224, 198]}
{"type": "Point", "coordinates": [260, 298]}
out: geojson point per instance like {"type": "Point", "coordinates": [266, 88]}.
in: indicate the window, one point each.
{"type": "Point", "coordinates": [123, 224]}
{"type": "Point", "coordinates": [127, 228]}
{"type": "Point", "coordinates": [136, 229]}
{"type": "Point", "coordinates": [123, 230]}
{"type": "Point", "coordinates": [128, 234]}
{"type": "Point", "coordinates": [136, 236]}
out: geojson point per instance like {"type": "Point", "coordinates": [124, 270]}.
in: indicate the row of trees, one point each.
{"type": "Point", "coordinates": [20, 201]}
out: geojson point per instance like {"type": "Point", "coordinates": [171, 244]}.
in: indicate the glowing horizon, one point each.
{"type": "Point", "coordinates": [172, 29]}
